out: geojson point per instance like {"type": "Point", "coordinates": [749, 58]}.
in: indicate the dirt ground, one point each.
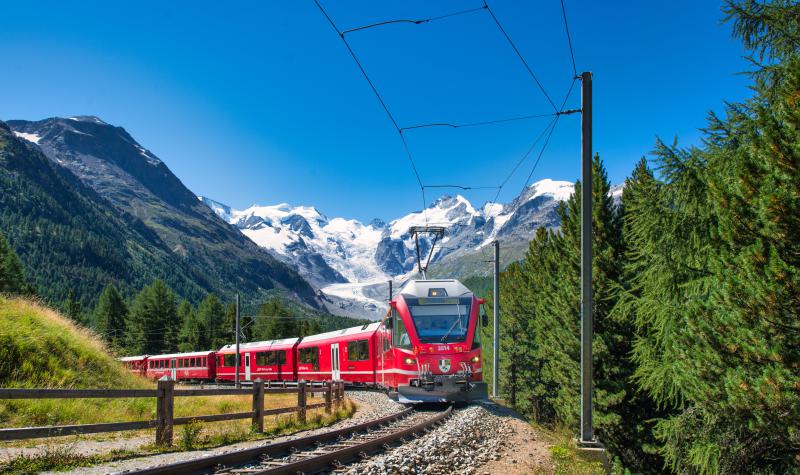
{"type": "Point", "coordinates": [525, 451]}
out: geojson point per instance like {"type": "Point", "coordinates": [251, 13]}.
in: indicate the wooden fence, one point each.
{"type": "Point", "coordinates": [165, 395]}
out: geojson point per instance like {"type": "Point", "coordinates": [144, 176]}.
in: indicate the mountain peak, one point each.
{"type": "Point", "coordinates": [88, 118]}
{"type": "Point", "coordinates": [377, 223]}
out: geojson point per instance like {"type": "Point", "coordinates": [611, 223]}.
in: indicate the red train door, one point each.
{"type": "Point", "coordinates": [335, 373]}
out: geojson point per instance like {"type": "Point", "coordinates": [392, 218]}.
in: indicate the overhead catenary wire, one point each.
{"type": "Point", "coordinates": [382, 102]}
{"type": "Point", "coordinates": [415, 22]}
{"type": "Point", "coordinates": [476, 124]}
{"type": "Point", "coordinates": [563, 104]}
{"type": "Point", "coordinates": [463, 187]}
{"type": "Point", "coordinates": [569, 39]}
{"type": "Point", "coordinates": [519, 55]}
{"type": "Point", "coordinates": [548, 130]}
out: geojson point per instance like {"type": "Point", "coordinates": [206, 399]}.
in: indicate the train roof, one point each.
{"type": "Point", "coordinates": [280, 344]}
{"type": "Point", "coordinates": [423, 288]}
{"type": "Point", "coordinates": [133, 358]}
{"type": "Point", "coordinates": [181, 355]}
{"type": "Point", "coordinates": [369, 328]}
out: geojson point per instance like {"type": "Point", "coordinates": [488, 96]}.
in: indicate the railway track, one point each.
{"type": "Point", "coordinates": [312, 454]}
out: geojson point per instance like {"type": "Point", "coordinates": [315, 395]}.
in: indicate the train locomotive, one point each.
{"type": "Point", "coordinates": [426, 349]}
{"type": "Point", "coordinates": [431, 343]}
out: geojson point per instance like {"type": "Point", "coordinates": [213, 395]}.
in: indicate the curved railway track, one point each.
{"type": "Point", "coordinates": [314, 453]}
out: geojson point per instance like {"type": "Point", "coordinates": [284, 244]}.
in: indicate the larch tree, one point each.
{"type": "Point", "coordinates": [110, 315]}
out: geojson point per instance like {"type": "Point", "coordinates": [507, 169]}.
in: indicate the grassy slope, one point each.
{"type": "Point", "coordinates": [40, 348]}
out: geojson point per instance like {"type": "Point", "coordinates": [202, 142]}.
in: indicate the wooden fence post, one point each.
{"type": "Point", "coordinates": [337, 394]}
{"type": "Point", "coordinates": [165, 405]}
{"type": "Point", "coordinates": [258, 405]}
{"type": "Point", "coordinates": [328, 396]}
{"type": "Point", "coordinates": [301, 402]}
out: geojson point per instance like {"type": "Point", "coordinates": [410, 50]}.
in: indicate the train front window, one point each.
{"type": "Point", "coordinates": [401, 339]}
{"type": "Point", "coordinates": [440, 320]}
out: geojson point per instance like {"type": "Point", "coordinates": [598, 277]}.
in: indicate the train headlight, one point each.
{"type": "Point", "coordinates": [476, 359]}
{"type": "Point", "coordinates": [408, 361]}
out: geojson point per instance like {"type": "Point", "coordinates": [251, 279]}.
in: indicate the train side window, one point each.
{"type": "Point", "coordinates": [386, 344]}
{"type": "Point", "coordinates": [358, 350]}
{"type": "Point", "coordinates": [400, 338]}
{"type": "Point", "coordinates": [265, 358]}
{"type": "Point", "coordinates": [282, 358]}
{"type": "Point", "coordinates": [180, 363]}
{"type": "Point", "coordinates": [309, 356]}
{"type": "Point", "coordinates": [205, 360]}
{"type": "Point", "coordinates": [230, 360]}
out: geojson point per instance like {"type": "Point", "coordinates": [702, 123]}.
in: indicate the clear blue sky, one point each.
{"type": "Point", "coordinates": [261, 103]}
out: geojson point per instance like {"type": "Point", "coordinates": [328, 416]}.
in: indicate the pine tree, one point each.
{"type": "Point", "coordinates": [73, 308]}
{"type": "Point", "coordinates": [212, 314]}
{"type": "Point", "coordinates": [276, 321]}
{"type": "Point", "coordinates": [110, 315]}
{"type": "Point", "coordinates": [12, 277]}
{"type": "Point", "coordinates": [714, 280]}
{"type": "Point", "coordinates": [153, 323]}
{"type": "Point", "coordinates": [194, 334]}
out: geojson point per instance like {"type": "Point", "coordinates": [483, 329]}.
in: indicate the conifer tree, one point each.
{"type": "Point", "coordinates": [715, 276]}
{"type": "Point", "coordinates": [276, 321]}
{"type": "Point", "coordinates": [73, 308]}
{"type": "Point", "coordinates": [110, 315]}
{"type": "Point", "coordinates": [12, 277]}
{"type": "Point", "coordinates": [212, 313]}
{"type": "Point", "coordinates": [153, 323]}
{"type": "Point", "coordinates": [194, 334]}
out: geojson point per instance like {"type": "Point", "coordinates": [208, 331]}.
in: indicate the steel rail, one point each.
{"type": "Point", "coordinates": [324, 461]}
{"type": "Point", "coordinates": [272, 450]}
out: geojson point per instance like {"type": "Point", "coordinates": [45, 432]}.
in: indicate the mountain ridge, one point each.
{"type": "Point", "coordinates": [351, 261]}
{"type": "Point", "coordinates": [135, 182]}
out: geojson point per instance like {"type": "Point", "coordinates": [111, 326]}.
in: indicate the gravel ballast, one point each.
{"type": "Point", "coordinates": [470, 438]}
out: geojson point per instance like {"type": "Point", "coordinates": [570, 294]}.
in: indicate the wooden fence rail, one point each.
{"type": "Point", "coordinates": [165, 395]}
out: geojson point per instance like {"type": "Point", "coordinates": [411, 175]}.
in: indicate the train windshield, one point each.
{"type": "Point", "coordinates": [440, 320]}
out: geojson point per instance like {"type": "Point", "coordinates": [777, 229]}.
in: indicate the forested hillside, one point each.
{"type": "Point", "coordinates": [71, 239]}
{"type": "Point", "coordinates": [697, 287]}
{"type": "Point", "coordinates": [103, 209]}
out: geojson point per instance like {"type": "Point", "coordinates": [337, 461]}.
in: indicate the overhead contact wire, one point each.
{"type": "Point", "coordinates": [383, 104]}
{"type": "Point", "coordinates": [569, 39]}
{"type": "Point", "coordinates": [519, 55]}
{"type": "Point", "coordinates": [415, 22]}
{"type": "Point", "coordinates": [477, 124]}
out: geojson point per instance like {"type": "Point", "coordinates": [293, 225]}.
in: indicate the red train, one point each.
{"type": "Point", "coordinates": [426, 349]}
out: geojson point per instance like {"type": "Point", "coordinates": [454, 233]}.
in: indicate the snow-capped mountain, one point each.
{"type": "Point", "coordinates": [351, 261]}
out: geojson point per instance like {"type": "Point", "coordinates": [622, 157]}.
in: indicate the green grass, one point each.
{"type": "Point", "coordinates": [40, 348]}
{"type": "Point", "coordinates": [568, 460]}
{"type": "Point", "coordinates": [193, 436]}
{"type": "Point", "coordinates": [55, 458]}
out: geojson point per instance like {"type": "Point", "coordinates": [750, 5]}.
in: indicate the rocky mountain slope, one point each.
{"type": "Point", "coordinates": [129, 184]}
{"type": "Point", "coordinates": [352, 261]}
